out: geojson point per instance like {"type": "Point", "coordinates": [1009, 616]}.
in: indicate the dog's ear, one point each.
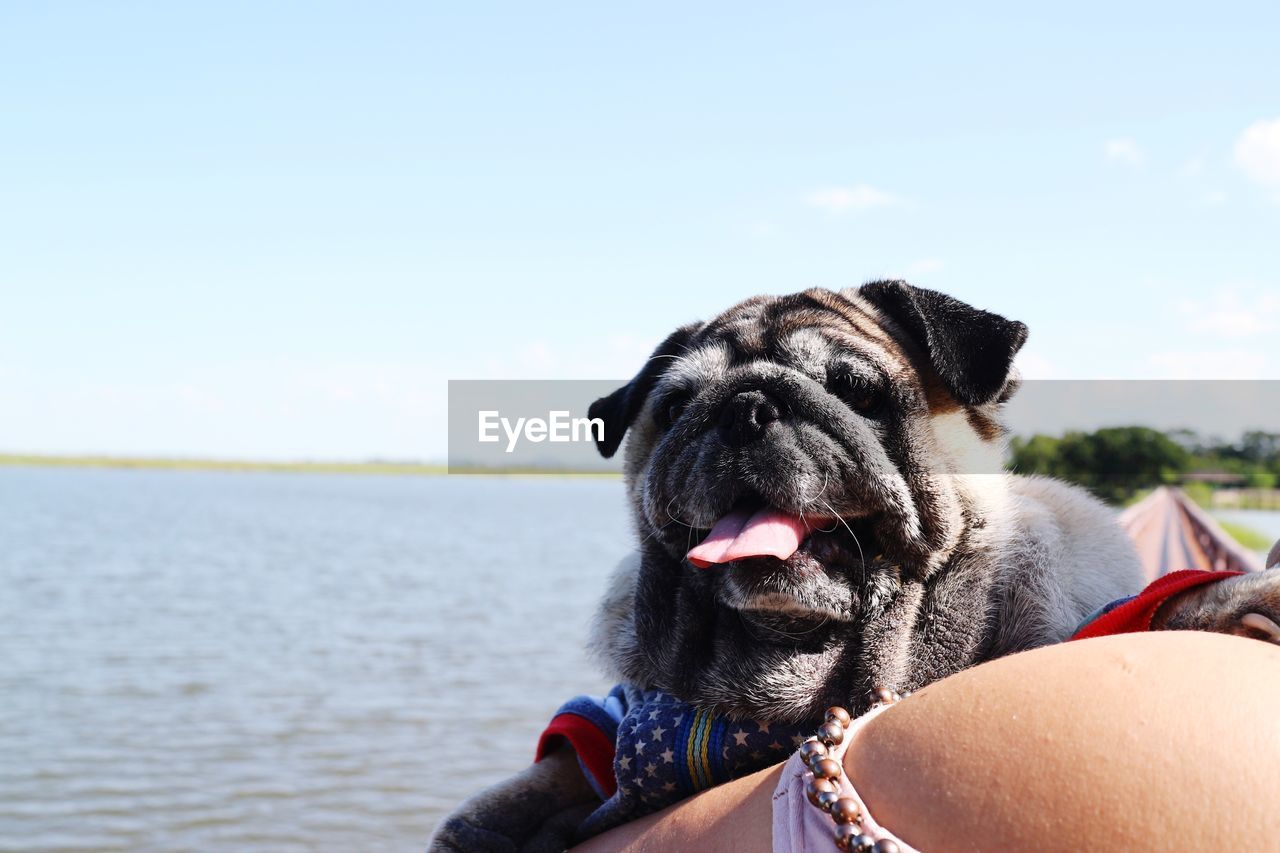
{"type": "Point", "coordinates": [971, 350]}
{"type": "Point", "coordinates": [1273, 559]}
{"type": "Point", "coordinates": [619, 410]}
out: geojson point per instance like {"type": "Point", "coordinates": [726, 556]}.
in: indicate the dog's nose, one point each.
{"type": "Point", "coordinates": [746, 417]}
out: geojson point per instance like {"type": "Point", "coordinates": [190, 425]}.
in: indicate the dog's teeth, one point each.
{"type": "Point", "coordinates": [1261, 623]}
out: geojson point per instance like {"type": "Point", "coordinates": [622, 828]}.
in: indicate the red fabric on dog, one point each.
{"type": "Point", "coordinates": [594, 747]}
{"type": "Point", "coordinates": [1136, 613]}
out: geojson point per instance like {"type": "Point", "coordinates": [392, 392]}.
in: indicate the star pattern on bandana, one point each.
{"type": "Point", "coordinates": [667, 750]}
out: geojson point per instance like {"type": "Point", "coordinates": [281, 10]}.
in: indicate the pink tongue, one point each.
{"type": "Point", "coordinates": [746, 533]}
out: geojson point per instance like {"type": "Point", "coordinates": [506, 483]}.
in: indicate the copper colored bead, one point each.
{"type": "Point", "coordinates": [812, 747]}
{"type": "Point", "coordinates": [816, 787]}
{"type": "Point", "coordinates": [846, 833]}
{"type": "Point", "coordinates": [826, 768]}
{"type": "Point", "coordinates": [882, 696]}
{"type": "Point", "coordinates": [838, 715]}
{"type": "Point", "coordinates": [831, 733]}
{"type": "Point", "coordinates": [812, 763]}
{"type": "Point", "coordinates": [846, 810]}
{"type": "Point", "coordinates": [827, 800]}
{"type": "Point", "coordinates": [884, 845]}
{"type": "Point", "coordinates": [861, 843]}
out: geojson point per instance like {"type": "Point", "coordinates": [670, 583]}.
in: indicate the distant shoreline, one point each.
{"type": "Point", "coordinates": [417, 469]}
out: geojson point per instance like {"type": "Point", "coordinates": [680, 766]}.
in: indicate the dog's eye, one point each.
{"type": "Point", "coordinates": [864, 397]}
{"type": "Point", "coordinates": [867, 402]}
{"type": "Point", "coordinates": [669, 410]}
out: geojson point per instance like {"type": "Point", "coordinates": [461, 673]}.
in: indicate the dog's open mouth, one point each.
{"type": "Point", "coordinates": [750, 531]}
{"type": "Point", "coordinates": [784, 567]}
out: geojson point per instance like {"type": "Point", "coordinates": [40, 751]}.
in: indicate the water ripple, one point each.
{"type": "Point", "coordinates": [200, 660]}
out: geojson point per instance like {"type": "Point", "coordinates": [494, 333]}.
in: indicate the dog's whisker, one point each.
{"type": "Point", "coordinates": [671, 515]}
{"type": "Point", "coordinates": [807, 501]}
{"type": "Point", "coordinates": [656, 531]}
{"type": "Point", "coordinates": [862, 557]}
{"type": "Point", "coordinates": [814, 499]}
{"type": "Point", "coordinates": [674, 357]}
{"type": "Point", "coordinates": [830, 510]}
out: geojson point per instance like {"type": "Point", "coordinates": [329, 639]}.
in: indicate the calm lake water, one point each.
{"type": "Point", "coordinates": [1266, 522]}
{"type": "Point", "coordinates": [195, 660]}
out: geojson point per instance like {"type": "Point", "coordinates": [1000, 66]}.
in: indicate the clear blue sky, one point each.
{"type": "Point", "coordinates": [275, 230]}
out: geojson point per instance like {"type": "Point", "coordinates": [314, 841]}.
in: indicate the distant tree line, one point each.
{"type": "Point", "coordinates": [1117, 462]}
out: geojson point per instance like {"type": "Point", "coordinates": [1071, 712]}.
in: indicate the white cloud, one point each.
{"type": "Point", "coordinates": [1258, 151]}
{"type": "Point", "coordinates": [1192, 168]}
{"type": "Point", "coordinates": [856, 198]}
{"type": "Point", "coordinates": [924, 266]}
{"type": "Point", "coordinates": [1224, 334]}
{"type": "Point", "coordinates": [1233, 312]}
{"type": "Point", "coordinates": [616, 357]}
{"type": "Point", "coordinates": [1032, 364]}
{"type": "Point", "coordinates": [1209, 364]}
{"type": "Point", "coordinates": [200, 399]}
{"type": "Point", "coordinates": [539, 356]}
{"type": "Point", "coordinates": [1124, 151]}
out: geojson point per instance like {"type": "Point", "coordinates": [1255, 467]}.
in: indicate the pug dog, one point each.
{"type": "Point", "coordinates": [817, 491]}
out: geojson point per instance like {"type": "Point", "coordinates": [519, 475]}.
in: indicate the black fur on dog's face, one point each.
{"type": "Point", "coordinates": [852, 410]}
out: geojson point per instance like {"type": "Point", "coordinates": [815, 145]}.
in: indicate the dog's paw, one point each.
{"type": "Point", "coordinates": [1246, 605]}
{"type": "Point", "coordinates": [500, 819]}
{"type": "Point", "coordinates": [508, 830]}
{"type": "Point", "coordinates": [520, 813]}
{"type": "Point", "coordinates": [457, 835]}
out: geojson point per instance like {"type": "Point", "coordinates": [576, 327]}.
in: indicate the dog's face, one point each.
{"type": "Point", "coordinates": [808, 442]}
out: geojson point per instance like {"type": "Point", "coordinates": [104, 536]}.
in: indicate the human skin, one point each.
{"type": "Point", "coordinates": [735, 817]}
{"type": "Point", "coordinates": [1158, 741]}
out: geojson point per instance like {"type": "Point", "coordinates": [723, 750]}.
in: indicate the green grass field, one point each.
{"type": "Point", "coordinates": [1248, 537]}
{"type": "Point", "coordinates": [184, 464]}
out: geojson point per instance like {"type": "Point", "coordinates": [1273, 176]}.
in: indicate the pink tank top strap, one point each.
{"type": "Point", "coordinates": [799, 827]}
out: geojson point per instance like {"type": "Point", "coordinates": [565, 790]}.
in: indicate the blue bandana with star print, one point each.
{"type": "Point", "coordinates": [667, 750]}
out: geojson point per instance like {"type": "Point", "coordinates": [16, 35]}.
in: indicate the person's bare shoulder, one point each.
{"type": "Point", "coordinates": [1090, 744]}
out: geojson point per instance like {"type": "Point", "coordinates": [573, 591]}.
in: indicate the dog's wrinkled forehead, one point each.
{"type": "Point", "coordinates": [769, 330]}
{"type": "Point", "coordinates": [883, 335]}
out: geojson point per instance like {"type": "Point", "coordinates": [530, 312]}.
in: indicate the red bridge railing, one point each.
{"type": "Point", "coordinates": [1172, 533]}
